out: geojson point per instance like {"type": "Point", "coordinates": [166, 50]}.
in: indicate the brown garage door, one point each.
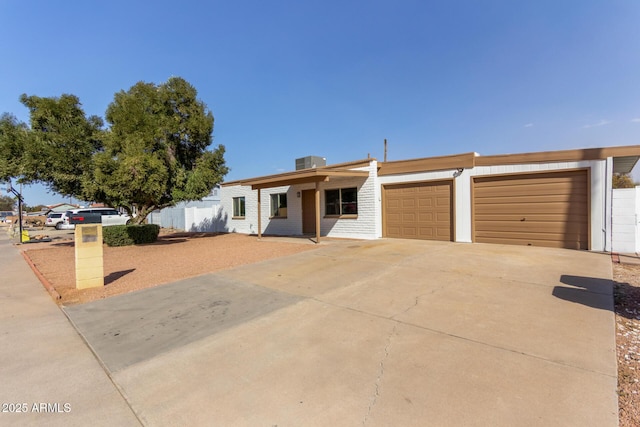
{"type": "Point", "coordinates": [418, 210]}
{"type": "Point", "coordinates": [549, 209]}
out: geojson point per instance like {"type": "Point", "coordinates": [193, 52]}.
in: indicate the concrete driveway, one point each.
{"type": "Point", "coordinates": [374, 333]}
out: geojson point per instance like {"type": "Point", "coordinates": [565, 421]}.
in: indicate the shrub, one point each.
{"type": "Point", "coordinates": [125, 235]}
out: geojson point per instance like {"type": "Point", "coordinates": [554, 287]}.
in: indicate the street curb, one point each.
{"type": "Point", "coordinates": [48, 286]}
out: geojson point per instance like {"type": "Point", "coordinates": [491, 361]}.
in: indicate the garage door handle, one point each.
{"type": "Point", "coordinates": [523, 219]}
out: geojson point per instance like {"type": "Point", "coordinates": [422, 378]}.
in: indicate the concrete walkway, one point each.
{"type": "Point", "coordinates": [390, 332]}
{"type": "Point", "coordinates": [48, 375]}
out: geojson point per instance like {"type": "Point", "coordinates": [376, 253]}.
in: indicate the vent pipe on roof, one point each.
{"type": "Point", "coordinates": [385, 149]}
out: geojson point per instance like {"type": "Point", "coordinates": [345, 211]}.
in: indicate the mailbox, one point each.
{"type": "Point", "coordinates": [85, 218]}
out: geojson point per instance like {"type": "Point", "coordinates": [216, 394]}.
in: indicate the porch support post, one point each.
{"type": "Point", "coordinates": [259, 216]}
{"type": "Point", "coordinates": [317, 212]}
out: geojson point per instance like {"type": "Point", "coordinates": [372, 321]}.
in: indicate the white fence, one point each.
{"type": "Point", "coordinates": [209, 219]}
{"type": "Point", "coordinates": [625, 233]}
{"type": "Point", "coordinates": [203, 219]}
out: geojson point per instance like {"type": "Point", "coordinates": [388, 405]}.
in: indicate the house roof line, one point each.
{"type": "Point", "coordinates": [341, 168]}
{"type": "Point", "coordinates": [630, 153]}
{"type": "Point", "coordinates": [560, 156]}
{"type": "Point", "coordinates": [627, 157]}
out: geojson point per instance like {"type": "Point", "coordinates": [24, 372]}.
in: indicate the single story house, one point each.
{"type": "Point", "coordinates": [555, 199]}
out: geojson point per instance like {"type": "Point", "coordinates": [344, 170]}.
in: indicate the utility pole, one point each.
{"type": "Point", "coordinates": [20, 201]}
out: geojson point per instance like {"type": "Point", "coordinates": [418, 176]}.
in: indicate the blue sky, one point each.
{"type": "Point", "coordinates": [286, 79]}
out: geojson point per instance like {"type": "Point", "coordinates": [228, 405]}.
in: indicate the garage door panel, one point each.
{"type": "Point", "coordinates": [393, 204]}
{"type": "Point", "coordinates": [549, 209]}
{"type": "Point", "coordinates": [408, 203]}
{"type": "Point", "coordinates": [542, 227]}
{"type": "Point", "coordinates": [517, 180]}
{"type": "Point", "coordinates": [541, 217]}
{"type": "Point", "coordinates": [443, 217]}
{"type": "Point", "coordinates": [419, 210]}
{"type": "Point", "coordinates": [553, 198]}
{"type": "Point", "coordinates": [443, 202]}
{"type": "Point", "coordinates": [426, 217]}
{"type": "Point", "coordinates": [426, 233]}
{"type": "Point", "coordinates": [519, 240]}
{"type": "Point", "coordinates": [524, 209]}
{"type": "Point", "coordinates": [533, 190]}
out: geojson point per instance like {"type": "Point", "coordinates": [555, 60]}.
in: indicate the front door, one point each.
{"type": "Point", "coordinates": [308, 212]}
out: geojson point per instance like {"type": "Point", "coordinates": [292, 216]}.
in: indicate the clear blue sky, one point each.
{"type": "Point", "coordinates": [286, 79]}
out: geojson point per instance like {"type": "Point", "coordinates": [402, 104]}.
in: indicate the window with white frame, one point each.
{"type": "Point", "coordinates": [279, 205]}
{"type": "Point", "coordinates": [238, 207]}
{"type": "Point", "coordinates": [342, 201]}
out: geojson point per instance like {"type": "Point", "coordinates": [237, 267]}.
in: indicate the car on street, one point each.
{"type": "Point", "coordinates": [53, 219]}
{"type": "Point", "coordinates": [109, 217]}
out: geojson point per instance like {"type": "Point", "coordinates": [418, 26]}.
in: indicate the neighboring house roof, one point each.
{"type": "Point", "coordinates": [61, 207]}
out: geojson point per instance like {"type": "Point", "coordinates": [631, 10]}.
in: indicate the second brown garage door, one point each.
{"type": "Point", "coordinates": [418, 210]}
{"type": "Point", "coordinates": [546, 209]}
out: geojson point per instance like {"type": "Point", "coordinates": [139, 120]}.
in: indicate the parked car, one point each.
{"type": "Point", "coordinates": [53, 219]}
{"type": "Point", "coordinates": [110, 216]}
{"type": "Point", "coordinates": [4, 215]}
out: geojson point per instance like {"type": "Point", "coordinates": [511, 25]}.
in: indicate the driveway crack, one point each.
{"type": "Point", "coordinates": [376, 393]}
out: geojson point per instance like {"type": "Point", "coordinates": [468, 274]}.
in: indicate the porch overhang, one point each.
{"type": "Point", "coordinates": [305, 176]}
{"type": "Point", "coordinates": [302, 177]}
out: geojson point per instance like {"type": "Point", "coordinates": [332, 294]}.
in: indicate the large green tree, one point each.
{"type": "Point", "coordinates": [7, 203]}
{"type": "Point", "coordinates": [12, 146]}
{"type": "Point", "coordinates": [60, 144]}
{"type": "Point", "coordinates": [156, 150]}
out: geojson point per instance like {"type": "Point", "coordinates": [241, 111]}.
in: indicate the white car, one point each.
{"type": "Point", "coordinates": [110, 216]}
{"type": "Point", "coordinates": [53, 219]}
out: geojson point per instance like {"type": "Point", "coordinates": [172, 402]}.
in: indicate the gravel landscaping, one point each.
{"type": "Point", "coordinates": [627, 306]}
{"type": "Point", "coordinates": [173, 257]}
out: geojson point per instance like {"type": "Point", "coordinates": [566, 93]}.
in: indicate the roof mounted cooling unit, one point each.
{"type": "Point", "coordinates": [310, 162]}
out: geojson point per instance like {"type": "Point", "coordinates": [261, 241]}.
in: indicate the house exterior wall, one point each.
{"type": "Point", "coordinates": [368, 224]}
{"type": "Point", "coordinates": [462, 209]}
{"type": "Point", "coordinates": [365, 226]}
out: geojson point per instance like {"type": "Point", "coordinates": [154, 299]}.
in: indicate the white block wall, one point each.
{"type": "Point", "coordinates": [625, 220]}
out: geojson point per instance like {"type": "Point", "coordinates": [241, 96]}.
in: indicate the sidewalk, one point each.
{"type": "Point", "coordinates": [48, 375]}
